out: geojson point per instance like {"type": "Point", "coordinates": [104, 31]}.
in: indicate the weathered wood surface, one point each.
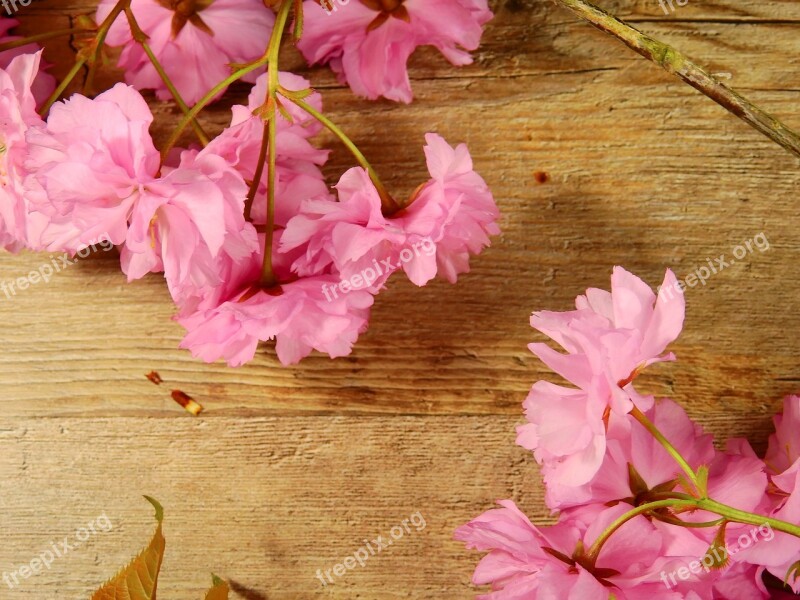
{"type": "Point", "coordinates": [289, 470]}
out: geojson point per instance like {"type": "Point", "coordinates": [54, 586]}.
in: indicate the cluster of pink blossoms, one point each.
{"type": "Point", "coordinates": [366, 42]}
{"type": "Point", "coordinates": [90, 170]}
{"type": "Point", "coordinates": [601, 462]}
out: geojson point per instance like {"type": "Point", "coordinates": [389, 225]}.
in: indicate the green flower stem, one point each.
{"type": "Point", "coordinates": [141, 39]}
{"type": "Point", "coordinates": [594, 551]}
{"type": "Point", "coordinates": [274, 48]}
{"type": "Point", "coordinates": [388, 204]}
{"type": "Point", "coordinates": [650, 426]}
{"type": "Point", "coordinates": [198, 129]}
{"type": "Point", "coordinates": [40, 37]}
{"type": "Point", "coordinates": [206, 100]}
{"type": "Point", "coordinates": [99, 40]}
{"type": "Point", "coordinates": [262, 159]}
{"type": "Point", "coordinates": [268, 278]}
{"type": "Point", "coordinates": [102, 32]}
{"type": "Point", "coordinates": [73, 72]}
{"type": "Point", "coordinates": [740, 516]}
{"type": "Point", "coordinates": [728, 512]}
{"type": "Point", "coordinates": [672, 61]}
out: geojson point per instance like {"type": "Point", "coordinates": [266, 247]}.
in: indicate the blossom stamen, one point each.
{"type": "Point", "coordinates": [387, 9]}
{"type": "Point", "coordinates": [187, 11]}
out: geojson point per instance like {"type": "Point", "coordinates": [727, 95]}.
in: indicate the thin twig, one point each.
{"type": "Point", "coordinates": [100, 40]}
{"type": "Point", "coordinates": [678, 64]}
{"type": "Point", "coordinates": [206, 100]}
{"type": "Point", "coordinates": [262, 160]}
{"type": "Point", "coordinates": [141, 38]}
{"type": "Point", "coordinates": [269, 112]}
{"type": "Point", "coordinates": [388, 204]}
{"type": "Point", "coordinates": [83, 57]}
{"type": "Point", "coordinates": [40, 37]}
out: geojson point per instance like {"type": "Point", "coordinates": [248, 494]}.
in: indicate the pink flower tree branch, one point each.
{"type": "Point", "coordinates": [252, 242]}
{"type": "Point", "coordinates": [640, 489]}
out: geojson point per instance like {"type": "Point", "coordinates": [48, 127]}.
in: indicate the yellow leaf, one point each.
{"type": "Point", "coordinates": [219, 591]}
{"type": "Point", "coordinates": [138, 581]}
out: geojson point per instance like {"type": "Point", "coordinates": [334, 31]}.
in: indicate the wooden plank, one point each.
{"type": "Point", "coordinates": [265, 502]}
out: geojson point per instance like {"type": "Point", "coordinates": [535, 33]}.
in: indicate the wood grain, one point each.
{"type": "Point", "coordinates": [288, 470]}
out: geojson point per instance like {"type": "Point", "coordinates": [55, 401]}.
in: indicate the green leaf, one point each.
{"type": "Point", "coordinates": [138, 581]}
{"type": "Point", "coordinates": [219, 591]}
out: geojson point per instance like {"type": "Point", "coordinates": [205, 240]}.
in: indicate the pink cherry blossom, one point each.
{"type": "Point", "coordinates": [368, 42]}
{"type": "Point", "coordinates": [296, 314]}
{"type": "Point", "coordinates": [454, 210]}
{"type": "Point", "coordinates": [44, 83]}
{"type": "Point", "coordinates": [194, 40]}
{"type": "Point", "coordinates": [348, 234]}
{"type": "Point", "coordinates": [17, 116]}
{"type": "Point", "coordinates": [99, 172]}
{"type": "Point", "coordinates": [91, 161]}
{"type": "Point", "coordinates": [516, 549]}
{"type": "Point", "coordinates": [612, 335]}
{"type": "Point", "coordinates": [526, 562]}
{"type": "Point", "coordinates": [743, 582]}
{"type": "Point", "coordinates": [449, 218]}
{"type": "Point", "coordinates": [781, 555]}
{"type": "Point", "coordinates": [554, 435]}
{"type": "Point", "coordinates": [183, 222]}
{"type": "Point", "coordinates": [566, 432]}
{"type": "Point", "coordinates": [609, 339]}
